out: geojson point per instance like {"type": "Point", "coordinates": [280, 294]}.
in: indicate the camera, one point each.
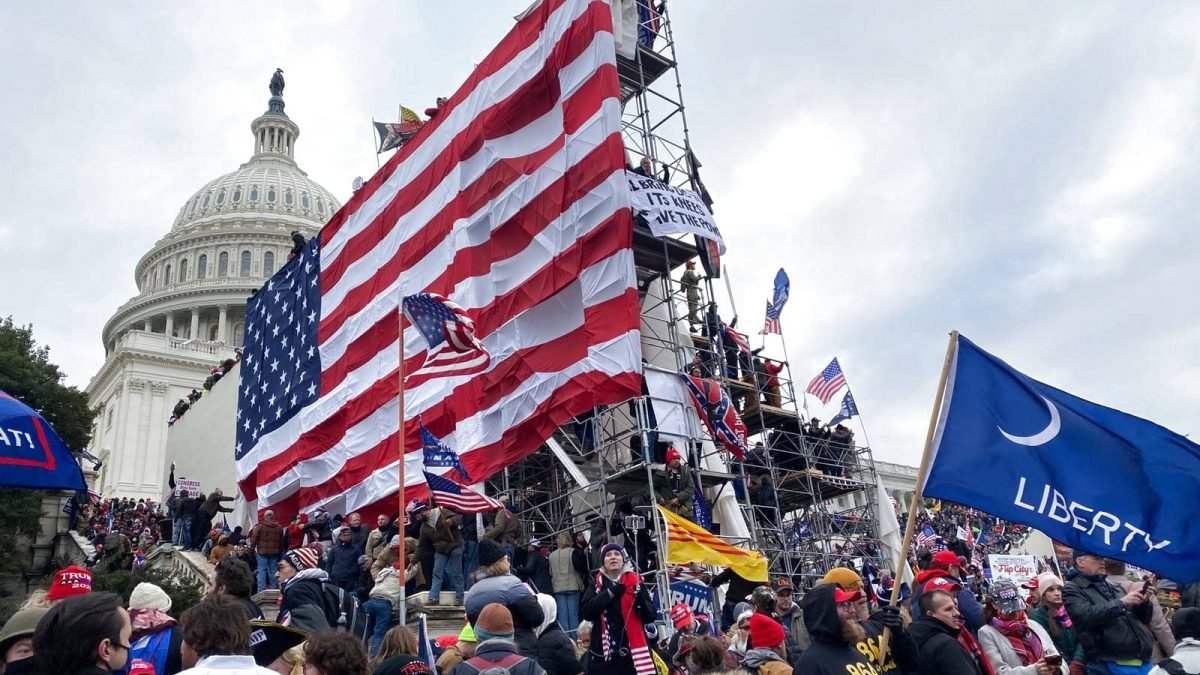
{"type": "Point", "coordinates": [634, 522]}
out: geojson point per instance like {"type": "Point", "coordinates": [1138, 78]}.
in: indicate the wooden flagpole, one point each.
{"type": "Point", "coordinates": [402, 561]}
{"type": "Point", "coordinates": [910, 526]}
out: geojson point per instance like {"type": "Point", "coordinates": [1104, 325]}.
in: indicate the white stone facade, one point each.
{"type": "Point", "coordinates": [189, 313]}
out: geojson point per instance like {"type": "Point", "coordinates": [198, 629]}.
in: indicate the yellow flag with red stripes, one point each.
{"type": "Point", "coordinates": [687, 542]}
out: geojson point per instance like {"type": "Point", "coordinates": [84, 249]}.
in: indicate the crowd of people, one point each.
{"type": "Point", "coordinates": [219, 371]}
{"type": "Point", "coordinates": [1099, 621]}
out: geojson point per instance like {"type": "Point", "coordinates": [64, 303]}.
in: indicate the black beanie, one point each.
{"type": "Point", "coordinates": [1186, 623]}
{"type": "Point", "coordinates": [490, 552]}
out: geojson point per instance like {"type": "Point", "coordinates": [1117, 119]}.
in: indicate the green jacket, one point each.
{"type": "Point", "coordinates": [1066, 641]}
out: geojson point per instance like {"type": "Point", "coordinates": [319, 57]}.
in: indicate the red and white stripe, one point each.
{"type": "Point", "coordinates": [469, 501]}
{"type": "Point", "coordinates": [513, 203]}
{"type": "Point", "coordinates": [825, 390]}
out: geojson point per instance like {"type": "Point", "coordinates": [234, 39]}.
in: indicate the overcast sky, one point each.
{"type": "Point", "coordinates": [1025, 172]}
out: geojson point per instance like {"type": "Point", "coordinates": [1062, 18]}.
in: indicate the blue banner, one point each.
{"type": "Point", "coordinates": [694, 594]}
{"type": "Point", "coordinates": [31, 453]}
{"type": "Point", "coordinates": [1091, 477]}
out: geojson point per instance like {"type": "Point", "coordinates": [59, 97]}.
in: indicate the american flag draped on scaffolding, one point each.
{"type": "Point", "coordinates": [512, 204]}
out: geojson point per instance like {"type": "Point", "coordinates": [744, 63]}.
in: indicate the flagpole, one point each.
{"type": "Point", "coordinates": [910, 525]}
{"type": "Point", "coordinates": [374, 142]}
{"type": "Point", "coordinates": [402, 561]}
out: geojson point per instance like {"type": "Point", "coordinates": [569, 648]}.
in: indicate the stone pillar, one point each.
{"type": "Point", "coordinates": [194, 332]}
{"type": "Point", "coordinates": [146, 325]}
{"type": "Point", "coordinates": [127, 450]}
{"type": "Point", "coordinates": [170, 324]}
{"type": "Point", "coordinates": [159, 409]}
{"type": "Point", "coordinates": [222, 320]}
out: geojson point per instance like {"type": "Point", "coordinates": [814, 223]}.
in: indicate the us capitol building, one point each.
{"type": "Point", "coordinates": [189, 313]}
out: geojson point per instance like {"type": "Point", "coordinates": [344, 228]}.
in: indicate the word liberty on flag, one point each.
{"type": "Point", "coordinates": [827, 382]}
{"type": "Point", "coordinates": [779, 298]}
{"type": "Point", "coordinates": [512, 202]}
{"type": "Point", "coordinates": [716, 411]}
{"type": "Point", "coordinates": [1050, 458]}
{"type": "Point", "coordinates": [848, 410]}
{"type": "Point", "coordinates": [440, 455]}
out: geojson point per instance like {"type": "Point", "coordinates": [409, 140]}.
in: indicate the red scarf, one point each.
{"type": "Point", "coordinates": [972, 646]}
{"type": "Point", "coordinates": [1023, 640]}
{"type": "Point", "coordinates": [635, 634]}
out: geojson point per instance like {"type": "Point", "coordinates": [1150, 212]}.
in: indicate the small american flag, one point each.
{"type": "Point", "coordinates": [937, 546]}
{"type": "Point", "coordinates": [827, 382]}
{"type": "Point", "coordinates": [450, 334]}
{"type": "Point", "coordinates": [779, 298]}
{"type": "Point", "coordinates": [447, 493]}
{"type": "Point", "coordinates": [926, 536]}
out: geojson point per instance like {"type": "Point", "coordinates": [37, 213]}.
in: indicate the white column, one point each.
{"type": "Point", "coordinates": [170, 324]}
{"type": "Point", "coordinates": [195, 329]}
{"type": "Point", "coordinates": [222, 319]}
{"type": "Point", "coordinates": [146, 325]}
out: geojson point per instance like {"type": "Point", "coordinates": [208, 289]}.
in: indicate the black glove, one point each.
{"type": "Point", "coordinates": [617, 591]}
{"type": "Point", "coordinates": [889, 616]}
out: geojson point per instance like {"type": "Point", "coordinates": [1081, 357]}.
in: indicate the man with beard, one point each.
{"type": "Point", "coordinates": [902, 651]}
{"type": "Point", "coordinates": [829, 616]}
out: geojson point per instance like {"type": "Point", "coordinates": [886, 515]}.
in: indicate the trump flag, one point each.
{"type": "Point", "coordinates": [31, 453]}
{"type": "Point", "coordinates": [1094, 478]}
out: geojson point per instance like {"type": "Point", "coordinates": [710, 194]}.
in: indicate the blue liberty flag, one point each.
{"type": "Point", "coordinates": [1094, 478]}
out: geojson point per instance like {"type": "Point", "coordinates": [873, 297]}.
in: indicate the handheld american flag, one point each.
{"type": "Point", "coordinates": [446, 492]}
{"type": "Point", "coordinates": [717, 413]}
{"type": "Point", "coordinates": [438, 454]}
{"type": "Point", "coordinates": [827, 382]}
{"type": "Point", "coordinates": [513, 202]}
{"type": "Point", "coordinates": [926, 536]}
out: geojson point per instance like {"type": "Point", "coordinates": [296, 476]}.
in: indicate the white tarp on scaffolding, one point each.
{"type": "Point", "coordinates": [625, 27]}
{"type": "Point", "coordinates": [672, 408]}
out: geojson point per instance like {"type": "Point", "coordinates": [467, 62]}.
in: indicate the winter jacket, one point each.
{"type": "Point", "coordinates": [537, 571]}
{"type": "Point", "coordinates": [1187, 654]}
{"type": "Point", "coordinates": [1004, 658]}
{"type": "Point", "coordinates": [829, 653]}
{"type": "Point", "coordinates": [1160, 628]}
{"type": "Point", "coordinates": [504, 530]}
{"type": "Point", "coordinates": [763, 661]}
{"type": "Point", "coordinates": [358, 537]}
{"type": "Point", "coordinates": [563, 576]}
{"type": "Point", "coordinates": [968, 606]}
{"type": "Point", "coordinates": [212, 505]}
{"type": "Point", "coordinates": [267, 538]}
{"type": "Point", "coordinates": [675, 484]}
{"type": "Point", "coordinates": [556, 652]}
{"type": "Point", "coordinates": [798, 639]}
{"type": "Point", "coordinates": [596, 605]}
{"type": "Point", "coordinates": [1067, 642]}
{"type": "Point", "coordinates": [446, 533]}
{"type": "Point", "coordinates": [938, 648]}
{"type": "Point", "coordinates": [387, 585]}
{"type": "Point", "coordinates": [739, 588]}
{"type": "Point", "coordinates": [377, 539]}
{"type": "Point", "coordinates": [1107, 629]}
{"type": "Point", "coordinates": [507, 590]}
{"type": "Point", "coordinates": [303, 591]}
{"type": "Point", "coordinates": [495, 651]}
{"type": "Point", "coordinates": [342, 564]}
{"type": "Point", "coordinates": [188, 507]}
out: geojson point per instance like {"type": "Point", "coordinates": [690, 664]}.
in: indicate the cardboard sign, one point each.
{"type": "Point", "coordinates": [191, 485]}
{"type": "Point", "coordinates": [1017, 568]}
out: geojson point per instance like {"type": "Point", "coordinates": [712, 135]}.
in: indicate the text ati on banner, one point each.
{"type": "Point", "coordinates": [512, 205]}
{"type": "Point", "coordinates": [1020, 449]}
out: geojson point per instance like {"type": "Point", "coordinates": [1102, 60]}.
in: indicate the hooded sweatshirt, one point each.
{"type": "Point", "coordinates": [764, 661]}
{"type": "Point", "coordinates": [830, 653]}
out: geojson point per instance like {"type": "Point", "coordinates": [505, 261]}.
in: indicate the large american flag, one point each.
{"type": "Point", "coordinates": [512, 203]}
{"type": "Point", "coordinates": [827, 382]}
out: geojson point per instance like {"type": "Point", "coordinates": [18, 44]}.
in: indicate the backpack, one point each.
{"type": "Point", "coordinates": [482, 666]}
{"type": "Point", "coordinates": [343, 611]}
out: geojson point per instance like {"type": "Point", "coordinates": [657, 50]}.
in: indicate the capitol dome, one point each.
{"type": "Point", "coordinates": [226, 241]}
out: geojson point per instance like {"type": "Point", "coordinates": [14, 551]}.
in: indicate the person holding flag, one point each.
{"type": "Point", "coordinates": [619, 606]}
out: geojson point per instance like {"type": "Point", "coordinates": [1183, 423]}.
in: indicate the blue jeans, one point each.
{"type": "Point", "coordinates": [177, 532]}
{"type": "Point", "coordinates": [470, 560]}
{"type": "Point", "coordinates": [186, 526]}
{"type": "Point", "coordinates": [379, 614]}
{"type": "Point", "coordinates": [568, 611]}
{"type": "Point", "coordinates": [442, 562]}
{"type": "Point", "coordinates": [266, 571]}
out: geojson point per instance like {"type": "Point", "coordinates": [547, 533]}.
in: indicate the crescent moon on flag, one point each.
{"type": "Point", "coordinates": [1042, 437]}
